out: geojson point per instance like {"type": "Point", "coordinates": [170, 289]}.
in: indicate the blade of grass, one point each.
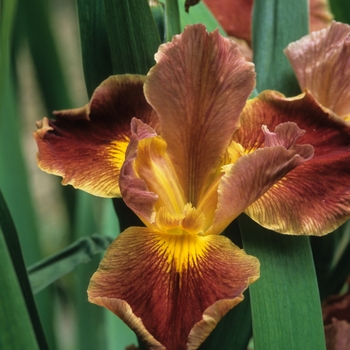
{"type": "Point", "coordinates": [274, 27]}
{"type": "Point", "coordinates": [34, 20]}
{"type": "Point", "coordinates": [8, 11]}
{"type": "Point", "coordinates": [16, 327]}
{"type": "Point", "coordinates": [95, 49]}
{"type": "Point", "coordinates": [159, 18]}
{"type": "Point", "coordinates": [324, 253]}
{"type": "Point", "coordinates": [133, 35]}
{"type": "Point", "coordinates": [286, 308]}
{"type": "Point", "coordinates": [89, 316]}
{"type": "Point", "coordinates": [118, 335]}
{"type": "Point", "coordinates": [44, 272]}
{"type": "Point", "coordinates": [13, 181]}
{"type": "Point", "coordinates": [285, 301]}
{"type": "Point", "coordinates": [13, 249]}
{"type": "Point", "coordinates": [341, 10]}
{"type": "Point", "coordinates": [172, 19]}
{"type": "Point", "coordinates": [340, 270]}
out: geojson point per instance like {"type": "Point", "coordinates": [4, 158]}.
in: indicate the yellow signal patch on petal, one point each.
{"type": "Point", "coordinates": [181, 239]}
{"type": "Point", "coordinates": [183, 251]}
{"type": "Point", "coordinates": [117, 151]}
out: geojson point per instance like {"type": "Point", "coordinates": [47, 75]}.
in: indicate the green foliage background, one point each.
{"type": "Point", "coordinates": [53, 54]}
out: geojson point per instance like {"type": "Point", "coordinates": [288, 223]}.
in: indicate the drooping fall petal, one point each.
{"type": "Point", "coordinates": [254, 173]}
{"type": "Point", "coordinates": [314, 198]}
{"type": "Point", "coordinates": [198, 88]}
{"type": "Point", "coordinates": [322, 65]}
{"type": "Point", "coordinates": [86, 146]}
{"type": "Point", "coordinates": [171, 300]}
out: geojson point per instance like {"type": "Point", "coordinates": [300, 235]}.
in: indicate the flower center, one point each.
{"type": "Point", "coordinates": [181, 238]}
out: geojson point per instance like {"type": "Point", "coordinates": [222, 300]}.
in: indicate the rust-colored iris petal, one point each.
{"type": "Point", "coordinates": [140, 283]}
{"type": "Point", "coordinates": [337, 335]}
{"type": "Point", "coordinates": [314, 198]}
{"type": "Point", "coordinates": [198, 88]}
{"type": "Point", "coordinates": [321, 63]}
{"type": "Point", "coordinates": [86, 146]}
{"type": "Point", "coordinates": [254, 173]}
{"type": "Point", "coordinates": [235, 16]}
{"type": "Point", "coordinates": [320, 15]}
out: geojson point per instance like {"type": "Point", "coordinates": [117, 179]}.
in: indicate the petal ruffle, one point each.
{"type": "Point", "coordinates": [141, 280]}
{"type": "Point", "coordinates": [321, 63]}
{"type": "Point", "coordinates": [198, 88]}
{"type": "Point", "coordinates": [86, 146]}
{"type": "Point", "coordinates": [314, 198]}
{"type": "Point", "coordinates": [255, 173]}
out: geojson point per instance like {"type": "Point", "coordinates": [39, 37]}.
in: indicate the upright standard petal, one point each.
{"type": "Point", "coordinates": [86, 146]}
{"type": "Point", "coordinates": [314, 198]}
{"type": "Point", "coordinates": [170, 302]}
{"type": "Point", "coordinates": [254, 173]}
{"type": "Point", "coordinates": [321, 62]}
{"type": "Point", "coordinates": [198, 88]}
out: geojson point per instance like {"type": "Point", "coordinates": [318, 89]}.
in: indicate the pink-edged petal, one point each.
{"type": "Point", "coordinates": [148, 180]}
{"type": "Point", "coordinates": [171, 305]}
{"type": "Point", "coordinates": [320, 15]}
{"type": "Point", "coordinates": [234, 16]}
{"type": "Point", "coordinates": [322, 65]}
{"type": "Point", "coordinates": [337, 335]}
{"type": "Point", "coordinates": [255, 173]}
{"type": "Point", "coordinates": [134, 190]}
{"type": "Point", "coordinates": [198, 88]}
{"type": "Point", "coordinates": [314, 198]}
{"type": "Point", "coordinates": [86, 146]}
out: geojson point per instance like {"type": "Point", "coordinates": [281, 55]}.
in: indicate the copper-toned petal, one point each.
{"type": "Point", "coordinates": [337, 335]}
{"type": "Point", "coordinates": [255, 173]}
{"type": "Point", "coordinates": [321, 63]}
{"type": "Point", "coordinates": [198, 88]}
{"type": "Point", "coordinates": [234, 16]}
{"type": "Point", "coordinates": [141, 280]}
{"type": "Point", "coordinates": [86, 146]}
{"type": "Point", "coordinates": [314, 198]}
{"type": "Point", "coordinates": [320, 15]}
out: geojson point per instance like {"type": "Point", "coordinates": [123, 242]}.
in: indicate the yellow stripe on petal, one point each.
{"type": "Point", "coordinates": [117, 151]}
{"type": "Point", "coordinates": [182, 251]}
{"type": "Point", "coordinates": [154, 166]}
{"type": "Point", "coordinates": [165, 308]}
{"type": "Point", "coordinates": [181, 239]}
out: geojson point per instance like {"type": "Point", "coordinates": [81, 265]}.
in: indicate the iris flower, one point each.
{"type": "Point", "coordinates": [235, 16]}
{"type": "Point", "coordinates": [188, 155]}
{"type": "Point", "coordinates": [321, 61]}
